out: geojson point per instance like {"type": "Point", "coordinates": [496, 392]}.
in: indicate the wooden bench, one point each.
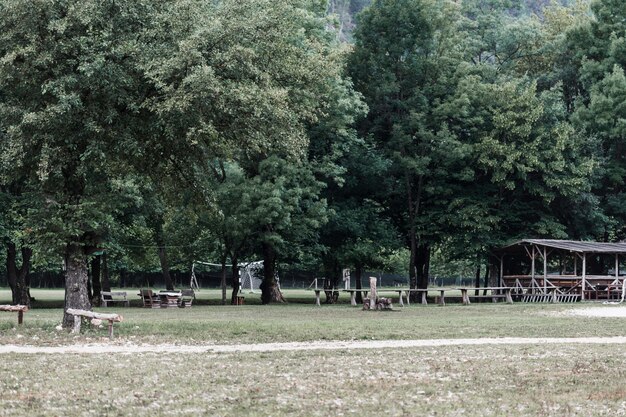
{"type": "Point", "coordinates": [19, 309]}
{"type": "Point", "coordinates": [114, 297]}
{"type": "Point", "coordinates": [96, 319]}
{"type": "Point", "coordinates": [186, 298]}
{"type": "Point", "coordinates": [423, 293]}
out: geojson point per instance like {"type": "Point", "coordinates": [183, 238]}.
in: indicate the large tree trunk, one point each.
{"type": "Point", "coordinates": [330, 283]}
{"type": "Point", "coordinates": [165, 269]}
{"type": "Point", "coordinates": [235, 280]}
{"type": "Point", "coordinates": [477, 276]}
{"type": "Point", "coordinates": [416, 263]}
{"type": "Point", "coordinates": [96, 285]}
{"type": "Point", "coordinates": [422, 265]}
{"type": "Point", "coordinates": [76, 277]}
{"type": "Point", "coordinates": [18, 278]}
{"type": "Point", "coordinates": [269, 287]}
{"type": "Point", "coordinates": [358, 273]}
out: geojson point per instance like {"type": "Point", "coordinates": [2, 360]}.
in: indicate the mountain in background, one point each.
{"type": "Point", "coordinates": [346, 11]}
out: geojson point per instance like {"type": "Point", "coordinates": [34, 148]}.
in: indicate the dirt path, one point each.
{"type": "Point", "coordinates": [300, 346]}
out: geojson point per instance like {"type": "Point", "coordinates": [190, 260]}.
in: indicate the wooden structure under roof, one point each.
{"type": "Point", "coordinates": [562, 270]}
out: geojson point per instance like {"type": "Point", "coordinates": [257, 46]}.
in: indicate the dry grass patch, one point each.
{"type": "Point", "coordinates": [527, 380]}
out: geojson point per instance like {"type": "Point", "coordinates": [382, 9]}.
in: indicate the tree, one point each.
{"type": "Point", "coordinates": [70, 92]}
{"type": "Point", "coordinates": [598, 58]}
{"type": "Point", "coordinates": [287, 214]}
{"type": "Point", "coordinates": [359, 233]}
{"type": "Point", "coordinates": [405, 64]}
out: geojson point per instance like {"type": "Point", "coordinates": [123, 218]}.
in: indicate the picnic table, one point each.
{"type": "Point", "coordinates": [169, 298]}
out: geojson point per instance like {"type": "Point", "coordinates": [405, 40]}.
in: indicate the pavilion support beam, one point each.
{"type": "Point", "coordinates": [582, 295]}
{"type": "Point", "coordinates": [545, 270]}
{"type": "Point", "coordinates": [501, 283]}
{"type": "Point", "coordinates": [616, 266]}
{"type": "Point", "coordinates": [532, 264]}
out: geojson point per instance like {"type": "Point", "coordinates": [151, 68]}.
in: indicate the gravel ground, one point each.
{"type": "Point", "coordinates": [127, 348]}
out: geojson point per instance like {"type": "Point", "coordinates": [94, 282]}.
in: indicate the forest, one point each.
{"type": "Point", "coordinates": [410, 136]}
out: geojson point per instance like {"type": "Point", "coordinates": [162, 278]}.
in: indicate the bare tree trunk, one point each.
{"type": "Point", "coordinates": [165, 269]}
{"type": "Point", "coordinates": [106, 283]}
{"type": "Point", "coordinates": [358, 273]}
{"type": "Point", "coordinates": [422, 265]}
{"type": "Point", "coordinates": [332, 271]}
{"type": "Point", "coordinates": [417, 264]}
{"type": "Point", "coordinates": [235, 280]}
{"type": "Point", "coordinates": [75, 282]}
{"type": "Point", "coordinates": [12, 268]}
{"type": "Point", "coordinates": [269, 288]}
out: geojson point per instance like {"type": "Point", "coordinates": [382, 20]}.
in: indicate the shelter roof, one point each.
{"type": "Point", "coordinates": [571, 245]}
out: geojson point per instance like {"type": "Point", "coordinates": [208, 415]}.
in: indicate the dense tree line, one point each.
{"type": "Point", "coordinates": [143, 135]}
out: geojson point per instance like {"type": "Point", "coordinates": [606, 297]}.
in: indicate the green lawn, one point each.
{"type": "Point", "coordinates": [524, 380]}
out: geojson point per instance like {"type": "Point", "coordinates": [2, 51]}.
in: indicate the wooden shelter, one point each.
{"type": "Point", "coordinates": [562, 270]}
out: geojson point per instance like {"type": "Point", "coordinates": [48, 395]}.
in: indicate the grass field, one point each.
{"type": "Point", "coordinates": [489, 380]}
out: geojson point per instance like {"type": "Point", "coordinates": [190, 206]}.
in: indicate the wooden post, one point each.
{"type": "Point", "coordinates": [465, 296]}
{"type": "Point", "coordinates": [507, 293]}
{"type": "Point", "coordinates": [532, 264]}
{"type": "Point", "coordinates": [501, 283]}
{"type": "Point", "coordinates": [616, 266]}
{"type": "Point", "coordinates": [20, 317]}
{"type": "Point", "coordinates": [400, 295]}
{"type": "Point", "coordinates": [373, 293]}
{"type": "Point", "coordinates": [582, 295]}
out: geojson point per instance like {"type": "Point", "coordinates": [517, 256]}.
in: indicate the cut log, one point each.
{"type": "Point", "coordinates": [13, 308]}
{"type": "Point", "coordinates": [79, 314]}
{"type": "Point", "coordinates": [94, 315]}
{"type": "Point", "coordinates": [19, 309]}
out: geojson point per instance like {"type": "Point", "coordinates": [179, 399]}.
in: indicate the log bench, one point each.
{"type": "Point", "coordinates": [496, 293]}
{"type": "Point", "coordinates": [96, 319]}
{"type": "Point", "coordinates": [19, 309]}
{"type": "Point", "coordinates": [111, 297]}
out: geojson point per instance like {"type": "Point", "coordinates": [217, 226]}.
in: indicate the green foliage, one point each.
{"type": "Point", "coordinates": [220, 127]}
